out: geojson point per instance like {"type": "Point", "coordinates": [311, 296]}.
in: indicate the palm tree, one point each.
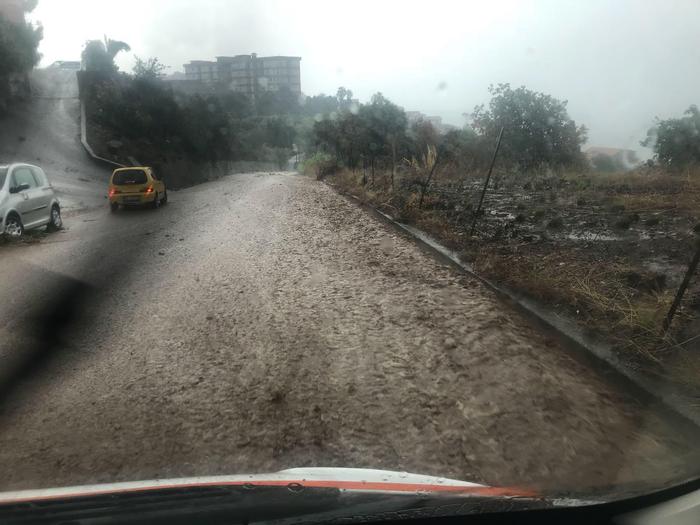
{"type": "Point", "coordinates": [99, 55]}
{"type": "Point", "coordinates": [113, 47]}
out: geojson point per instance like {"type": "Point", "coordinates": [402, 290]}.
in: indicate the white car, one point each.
{"type": "Point", "coordinates": [27, 200]}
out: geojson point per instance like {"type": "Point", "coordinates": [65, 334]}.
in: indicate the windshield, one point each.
{"type": "Point", "coordinates": [126, 177]}
{"type": "Point", "coordinates": [447, 239]}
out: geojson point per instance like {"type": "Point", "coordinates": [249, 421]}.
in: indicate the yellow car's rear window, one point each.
{"type": "Point", "coordinates": [121, 178]}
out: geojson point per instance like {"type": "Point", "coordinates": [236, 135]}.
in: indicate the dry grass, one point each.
{"type": "Point", "coordinates": [595, 295]}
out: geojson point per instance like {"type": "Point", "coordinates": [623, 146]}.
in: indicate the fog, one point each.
{"type": "Point", "coordinates": [619, 63]}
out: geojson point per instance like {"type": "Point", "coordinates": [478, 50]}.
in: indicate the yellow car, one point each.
{"type": "Point", "coordinates": [136, 186]}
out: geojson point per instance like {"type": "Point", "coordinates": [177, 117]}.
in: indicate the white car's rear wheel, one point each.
{"type": "Point", "coordinates": [56, 221]}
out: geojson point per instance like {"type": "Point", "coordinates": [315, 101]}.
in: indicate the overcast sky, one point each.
{"type": "Point", "coordinates": [619, 63]}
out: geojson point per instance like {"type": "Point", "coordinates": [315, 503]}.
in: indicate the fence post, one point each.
{"type": "Point", "coordinates": [486, 184]}
{"type": "Point", "coordinates": [681, 289]}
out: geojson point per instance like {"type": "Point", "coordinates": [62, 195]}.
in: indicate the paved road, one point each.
{"type": "Point", "coordinates": [262, 321]}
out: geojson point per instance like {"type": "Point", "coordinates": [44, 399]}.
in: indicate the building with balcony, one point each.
{"type": "Point", "coordinates": [248, 74]}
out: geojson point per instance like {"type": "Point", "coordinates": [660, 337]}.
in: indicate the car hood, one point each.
{"type": "Point", "coordinates": [344, 479]}
{"type": "Point", "coordinates": [288, 496]}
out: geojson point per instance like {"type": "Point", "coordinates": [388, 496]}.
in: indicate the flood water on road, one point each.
{"type": "Point", "coordinates": [265, 322]}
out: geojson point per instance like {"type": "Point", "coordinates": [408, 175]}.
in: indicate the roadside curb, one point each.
{"type": "Point", "coordinates": [598, 353]}
{"type": "Point", "coordinates": [86, 145]}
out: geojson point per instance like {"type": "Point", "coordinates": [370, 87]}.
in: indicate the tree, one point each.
{"type": "Point", "coordinates": [344, 97]}
{"type": "Point", "coordinates": [386, 126]}
{"type": "Point", "coordinates": [319, 106]}
{"type": "Point", "coordinates": [465, 149]}
{"type": "Point", "coordinates": [114, 47]}
{"type": "Point", "coordinates": [326, 135]}
{"type": "Point", "coordinates": [99, 55]}
{"type": "Point", "coordinates": [149, 69]}
{"type": "Point", "coordinates": [284, 101]}
{"type": "Point", "coordinates": [538, 129]}
{"type": "Point", "coordinates": [236, 105]}
{"type": "Point", "coordinates": [19, 43]}
{"type": "Point", "coordinates": [676, 141]}
{"type": "Point", "coordinates": [373, 131]}
{"type": "Point", "coordinates": [423, 134]}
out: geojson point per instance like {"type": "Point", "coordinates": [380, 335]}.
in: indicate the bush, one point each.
{"type": "Point", "coordinates": [203, 128]}
{"type": "Point", "coordinates": [675, 141]}
{"type": "Point", "coordinates": [319, 165]}
{"type": "Point", "coordinates": [19, 45]}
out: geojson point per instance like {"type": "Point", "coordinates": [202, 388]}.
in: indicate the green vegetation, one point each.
{"type": "Point", "coordinates": [676, 141]}
{"type": "Point", "coordinates": [149, 69]}
{"type": "Point", "coordinates": [539, 133]}
{"type": "Point", "coordinates": [363, 136]}
{"type": "Point", "coordinates": [157, 122]}
{"type": "Point", "coordinates": [538, 129]}
{"type": "Point", "coordinates": [318, 165]}
{"type": "Point", "coordinates": [19, 44]}
{"type": "Point", "coordinates": [99, 55]}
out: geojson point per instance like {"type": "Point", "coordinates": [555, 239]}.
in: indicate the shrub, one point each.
{"type": "Point", "coordinates": [319, 164]}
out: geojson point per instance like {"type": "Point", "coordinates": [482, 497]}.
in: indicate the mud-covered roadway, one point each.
{"type": "Point", "coordinates": [262, 321]}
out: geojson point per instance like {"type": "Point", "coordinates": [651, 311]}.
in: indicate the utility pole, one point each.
{"type": "Point", "coordinates": [486, 184]}
{"type": "Point", "coordinates": [681, 289]}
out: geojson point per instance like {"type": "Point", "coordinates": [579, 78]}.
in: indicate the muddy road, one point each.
{"type": "Point", "coordinates": [262, 322]}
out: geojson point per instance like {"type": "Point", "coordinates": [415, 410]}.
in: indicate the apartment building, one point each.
{"type": "Point", "coordinates": [248, 74]}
